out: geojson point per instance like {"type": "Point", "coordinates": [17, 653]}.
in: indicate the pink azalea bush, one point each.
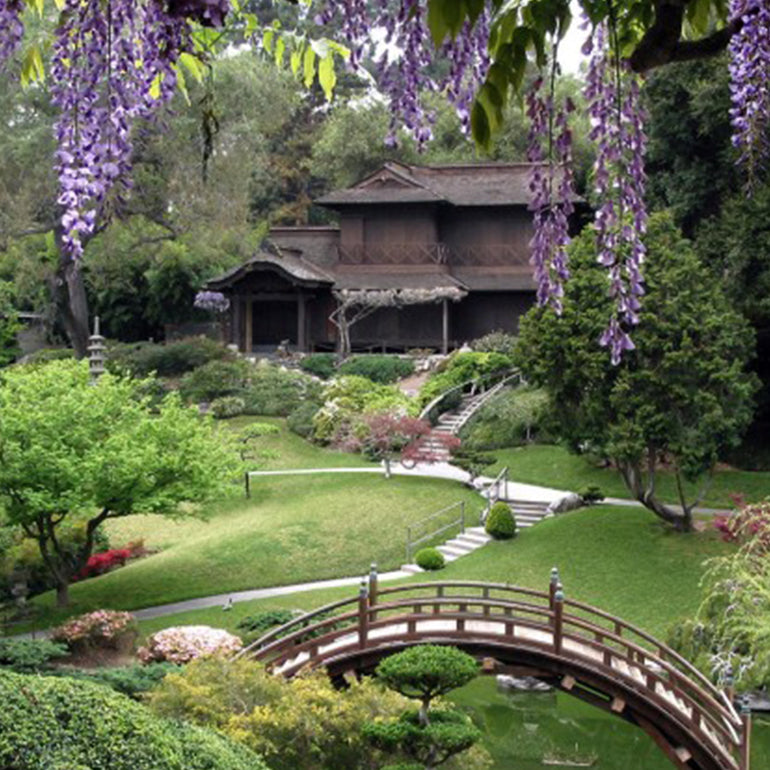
{"type": "Point", "coordinates": [102, 628]}
{"type": "Point", "coordinates": [181, 644]}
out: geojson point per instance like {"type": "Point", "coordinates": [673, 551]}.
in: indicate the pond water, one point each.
{"type": "Point", "coordinates": [522, 729]}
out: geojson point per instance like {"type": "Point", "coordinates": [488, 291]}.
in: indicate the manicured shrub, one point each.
{"type": "Point", "coordinates": [497, 341]}
{"type": "Point", "coordinates": [255, 625]}
{"type": "Point", "coordinates": [44, 355]}
{"type": "Point", "coordinates": [378, 368]}
{"type": "Point", "coordinates": [300, 421]}
{"type": "Point", "coordinates": [319, 364]}
{"type": "Point", "coordinates": [29, 655]}
{"type": "Point", "coordinates": [347, 398]}
{"type": "Point", "coordinates": [472, 461]}
{"type": "Point", "coordinates": [215, 380]}
{"type": "Point", "coordinates": [500, 523]}
{"type": "Point", "coordinates": [277, 391]}
{"type": "Point", "coordinates": [227, 406]}
{"type": "Point", "coordinates": [181, 644]}
{"type": "Point", "coordinates": [99, 563]}
{"type": "Point", "coordinates": [102, 629]}
{"type": "Point", "coordinates": [460, 368]}
{"type": "Point", "coordinates": [166, 360]}
{"type": "Point", "coordinates": [133, 680]}
{"type": "Point", "coordinates": [591, 494]}
{"type": "Point", "coordinates": [429, 559]}
{"type": "Point", "coordinates": [511, 418]}
{"type": "Point", "coordinates": [58, 723]}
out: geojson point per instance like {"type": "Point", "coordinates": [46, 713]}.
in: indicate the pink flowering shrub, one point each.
{"type": "Point", "coordinates": [181, 644]}
{"type": "Point", "coordinates": [748, 526]}
{"type": "Point", "coordinates": [101, 629]}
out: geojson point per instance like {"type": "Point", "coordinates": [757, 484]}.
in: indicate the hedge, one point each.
{"type": "Point", "coordinates": [49, 723]}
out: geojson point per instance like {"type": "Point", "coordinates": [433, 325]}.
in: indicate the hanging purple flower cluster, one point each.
{"type": "Point", "coordinates": [750, 83]}
{"type": "Point", "coordinates": [112, 63]}
{"type": "Point", "coordinates": [551, 186]}
{"type": "Point", "coordinates": [403, 59]}
{"type": "Point", "coordinates": [612, 92]}
{"type": "Point", "coordinates": [214, 301]}
{"type": "Point", "coordinates": [11, 28]}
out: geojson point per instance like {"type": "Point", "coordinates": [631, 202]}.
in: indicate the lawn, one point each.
{"type": "Point", "coordinates": [554, 466]}
{"type": "Point", "coordinates": [617, 558]}
{"type": "Point", "coordinates": [292, 451]}
{"type": "Point", "coordinates": [293, 529]}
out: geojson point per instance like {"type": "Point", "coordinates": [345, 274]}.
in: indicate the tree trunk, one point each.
{"type": "Point", "coordinates": [68, 293]}
{"type": "Point", "coordinates": [633, 477]}
{"type": "Point", "coordinates": [62, 594]}
{"type": "Point", "coordinates": [387, 466]}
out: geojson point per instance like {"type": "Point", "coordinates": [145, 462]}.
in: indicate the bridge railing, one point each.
{"type": "Point", "coordinates": [517, 617]}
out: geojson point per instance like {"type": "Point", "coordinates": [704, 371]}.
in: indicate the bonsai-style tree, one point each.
{"type": "Point", "coordinates": [73, 451]}
{"type": "Point", "coordinates": [678, 399]}
{"type": "Point", "coordinates": [428, 737]}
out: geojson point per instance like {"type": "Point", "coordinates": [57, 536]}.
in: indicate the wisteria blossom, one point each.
{"type": "Point", "coordinates": [551, 187]}
{"type": "Point", "coordinates": [11, 28]}
{"type": "Point", "coordinates": [214, 301]}
{"type": "Point", "coordinates": [111, 64]}
{"type": "Point", "coordinates": [403, 62]}
{"type": "Point", "coordinates": [749, 50]}
{"type": "Point", "coordinates": [617, 119]}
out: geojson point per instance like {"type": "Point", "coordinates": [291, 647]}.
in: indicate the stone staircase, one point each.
{"type": "Point", "coordinates": [433, 446]}
{"type": "Point", "coordinates": [528, 512]}
{"type": "Point", "coordinates": [462, 544]}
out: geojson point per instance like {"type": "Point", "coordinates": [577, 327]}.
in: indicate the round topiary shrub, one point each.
{"type": "Point", "coordinates": [500, 522]}
{"type": "Point", "coordinates": [227, 406]}
{"type": "Point", "coordinates": [429, 559]}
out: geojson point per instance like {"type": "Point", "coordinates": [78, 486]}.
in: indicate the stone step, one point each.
{"type": "Point", "coordinates": [412, 569]}
{"type": "Point", "coordinates": [454, 550]}
{"type": "Point", "coordinates": [473, 539]}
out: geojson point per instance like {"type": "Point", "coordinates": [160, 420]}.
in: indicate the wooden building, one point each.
{"type": "Point", "coordinates": [464, 226]}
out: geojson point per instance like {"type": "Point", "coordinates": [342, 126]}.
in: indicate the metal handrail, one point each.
{"type": "Point", "coordinates": [472, 385]}
{"type": "Point", "coordinates": [459, 520]}
{"type": "Point", "coordinates": [500, 479]}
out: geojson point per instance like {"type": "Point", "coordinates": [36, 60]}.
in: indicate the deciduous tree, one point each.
{"type": "Point", "coordinates": [73, 450]}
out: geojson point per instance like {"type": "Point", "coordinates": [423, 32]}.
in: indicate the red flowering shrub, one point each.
{"type": "Point", "coordinates": [99, 563]}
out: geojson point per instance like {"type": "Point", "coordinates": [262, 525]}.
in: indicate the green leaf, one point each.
{"type": "Point", "coordinates": [280, 49]}
{"type": "Point", "coordinates": [155, 86]}
{"type": "Point", "coordinates": [327, 77]}
{"type": "Point", "coordinates": [267, 40]}
{"type": "Point", "coordinates": [480, 126]}
{"type": "Point", "coordinates": [295, 60]}
{"type": "Point", "coordinates": [181, 83]}
{"type": "Point", "coordinates": [309, 66]}
{"type": "Point", "coordinates": [193, 65]}
{"type": "Point", "coordinates": [32, 68]}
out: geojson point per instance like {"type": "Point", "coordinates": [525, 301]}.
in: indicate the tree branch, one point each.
{"type": "Point", "coordinates": [663, 44]}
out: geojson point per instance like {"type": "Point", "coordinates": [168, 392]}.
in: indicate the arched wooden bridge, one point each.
{"type": "Point", "coordinates": [577, 648]}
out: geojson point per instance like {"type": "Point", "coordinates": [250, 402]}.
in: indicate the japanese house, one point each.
{"type": "Point", "coordinates": [458, 232]}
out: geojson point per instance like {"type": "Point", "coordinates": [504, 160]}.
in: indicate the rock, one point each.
{"type": "Point", "coordinates": [522, 683]}
{"type": "Point", "coordinates": [568, 502]}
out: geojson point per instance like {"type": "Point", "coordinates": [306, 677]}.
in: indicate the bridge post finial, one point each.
{"type": "Point", "coordinates": [558, 611]}
{"type": "Point", "coordinates": [552, 585]}
{"type": "Point", "coordinates": [373, 585]}
{"type": "Point", "coordinates": [363, 613]}
{"type": "Point", "coordinates": [745, 734]}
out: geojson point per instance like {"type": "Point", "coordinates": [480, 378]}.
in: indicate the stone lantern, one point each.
{"type": "Point", "coordinates": [96, 352]}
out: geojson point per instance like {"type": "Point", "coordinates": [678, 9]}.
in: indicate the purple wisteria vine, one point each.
{"type": "Point", "coordinates": [403, 58]}
{"type": "Point", "coordinates": [749, 50]}
{"type": "Point", "coordinates": [617, 128]}
{"type": "Point", "coordinates": [213, 301]}
{"type": "Point", "coordinates": [112, 64]}
{"type": "Point", "coordinates": [551, 186]}
{"type": "Point", "coordinates": [11, 29]}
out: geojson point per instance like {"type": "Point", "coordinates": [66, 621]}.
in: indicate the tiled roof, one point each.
{"type": "Point", "coordinates": [296, 267]}
{"type": "Point", "coordinates": [394, 279]}
{"type": "Point", "coordinates": [462, 184]}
